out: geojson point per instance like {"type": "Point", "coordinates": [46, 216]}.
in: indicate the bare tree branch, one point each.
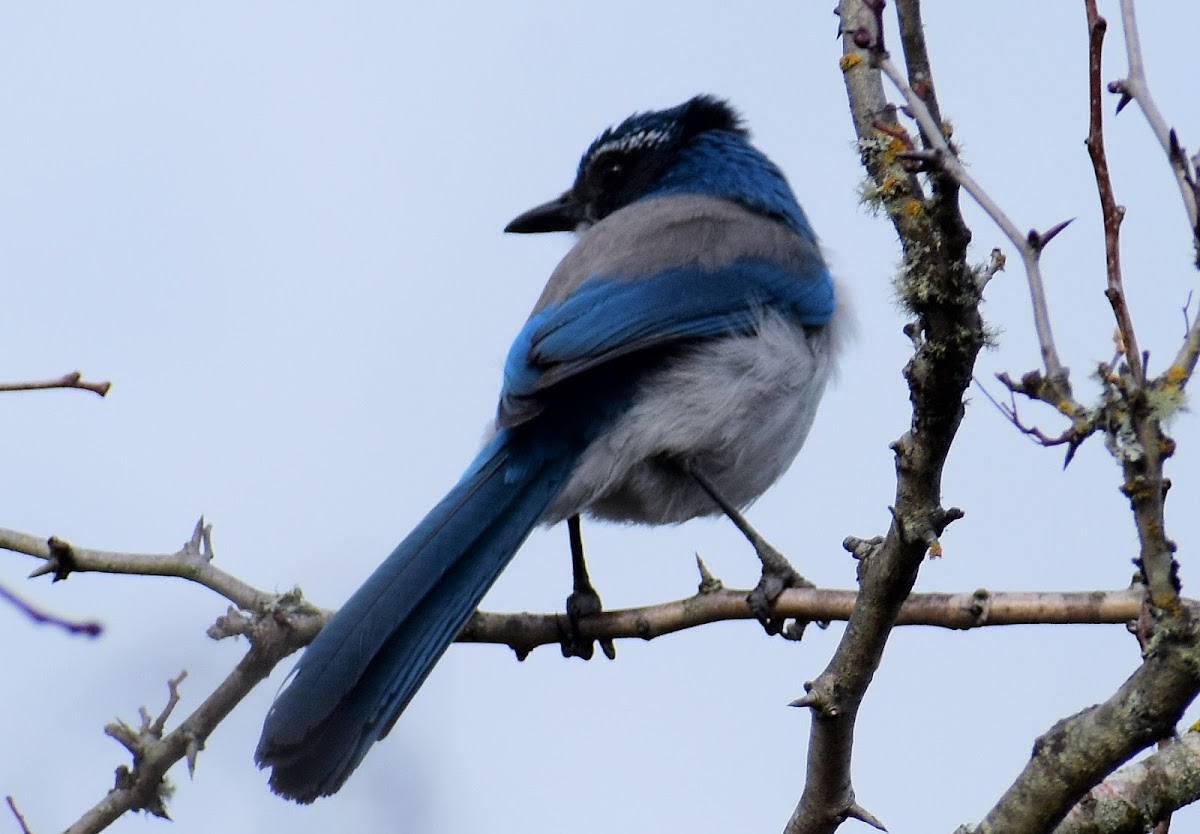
{"type": "Point", "coordinates": [143, 786]}
{"type": "Point", "coordinates": [1134, 87]}
{"type": "Point", "coordinates": [1141, 795]}
{"type": "Point", "coordinates": [524, 632]}
{"type": "Point", "coordinates": [12, 806]}
{"type": "Point", "coordinates": [712, 603]}
{"type": "Point", "coordinates": [1079, 751]}
{"type": "Point", "coordinates": [72, 380]}
{"type": "Point", "coordinates": [284, 624]}
{"type": "Point", "coordinates": [944, 296]}
{"type": "Point", "coordinates": [943, 157]}
{"type": "Point", "coordinates": [1112, 213]}
{"type": "Point", "coordinates": [192, 561]}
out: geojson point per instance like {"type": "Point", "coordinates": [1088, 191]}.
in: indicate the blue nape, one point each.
{"type": "Point", "coordinates": [723, 163]}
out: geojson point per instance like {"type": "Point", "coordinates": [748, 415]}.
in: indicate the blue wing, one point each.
{"type": "Point", "coordinates": [611, 317]}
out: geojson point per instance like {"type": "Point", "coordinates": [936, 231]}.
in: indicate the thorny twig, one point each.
{"type": "Point", "coordinates": [1056, 388]}
{"type": "Point", "coordinates": [1134, 87]}
{"type": "Point", "coordinates": [193, 561]}
{"type": "Point", "coordinates": [1072, 436]}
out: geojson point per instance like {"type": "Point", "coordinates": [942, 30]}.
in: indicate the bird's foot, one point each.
{"type": "Point", "coordinates": [777, 576]}
{"type": "Point", "coordinates": [777, 573]}
{"type": "Point", "coordinates": [584, 602]}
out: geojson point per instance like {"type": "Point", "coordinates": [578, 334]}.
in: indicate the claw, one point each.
{"type": "Point", "coordinates": [777, 576]}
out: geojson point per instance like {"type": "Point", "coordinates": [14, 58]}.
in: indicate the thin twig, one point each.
{"type": "Point", "coordinates": [1009, 410]}
{"type": "Point", "coordinates": [1112, 213]}
{"type": "Point", "coordinates": [1134, 87]}
{"type": "Point", "coordinates": [72, 380]}
{"type": "Point", "coordinates": [140, 787]}
{"type": "Point", "coordinates": [193, 561]}
{"type": "Point", "coordinates": [89, 628]}
{"type": "Point", "coordinates": [1184, 366]}
{"type": "Point", "coordinates": [12, 806]}
{"type": "Point", "coordinates": [1030, 245]}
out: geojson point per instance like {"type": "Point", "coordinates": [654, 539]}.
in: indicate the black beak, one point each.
{"type": "Point", "coordinates": [562, 214]}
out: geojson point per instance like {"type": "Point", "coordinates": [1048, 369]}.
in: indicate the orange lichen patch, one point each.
{"type": "Point", "coordinates": [850, 61]}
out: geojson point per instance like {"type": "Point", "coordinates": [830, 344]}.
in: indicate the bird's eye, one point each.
{"type": "Point", "coordinates": [609, 171]}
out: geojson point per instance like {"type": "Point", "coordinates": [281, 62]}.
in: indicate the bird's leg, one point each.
{"type": "Point", "coordinates": [777, 571]}
{"type": "Point", "coordinates": [582, 602]}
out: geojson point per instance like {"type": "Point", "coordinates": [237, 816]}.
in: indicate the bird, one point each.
{"type": "Point", "coordinates": [670, 369]}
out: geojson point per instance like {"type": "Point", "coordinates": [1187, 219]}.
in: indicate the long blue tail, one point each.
{"type": "Point", "coordinates": [358, 675]}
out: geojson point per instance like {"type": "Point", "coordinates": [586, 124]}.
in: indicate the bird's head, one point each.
{"type": "Point", "coordinates": [631, 161]}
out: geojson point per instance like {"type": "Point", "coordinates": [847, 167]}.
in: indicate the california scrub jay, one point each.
{"type": "Point", "coordinates": [671, 369]}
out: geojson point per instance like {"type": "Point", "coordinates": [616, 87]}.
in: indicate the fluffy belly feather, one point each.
{"type": "Point", "coordinates": [740, 407]}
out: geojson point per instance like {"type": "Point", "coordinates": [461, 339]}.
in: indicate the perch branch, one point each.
{"type": "Point", "coordinates": [283, 624]}
{"type": "Point", "coordinates": [712, 603]}
{"type": "Point", "coordinates": [978, 609]}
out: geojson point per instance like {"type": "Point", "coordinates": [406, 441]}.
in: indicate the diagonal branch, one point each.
{"type": "Point", "coordinates": [944, 295]}
{"type": "Point", "coordinates": [1184, 366]}
{"type": "Point", "coordinates": [142, 787]}
{"type": "Point", "coordinates": [1077, 752]}
{"type": "Point", "coordinates": [1140, 795]}
{"type": "Point", "coordinates": [1134, 87]}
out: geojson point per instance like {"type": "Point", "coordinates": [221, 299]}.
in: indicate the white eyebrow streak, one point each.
{"type": "Point", "coordinates": [634, 141]}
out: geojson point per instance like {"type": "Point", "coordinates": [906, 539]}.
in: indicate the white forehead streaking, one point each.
{"type": "Point", "coordinates": [634, 141]}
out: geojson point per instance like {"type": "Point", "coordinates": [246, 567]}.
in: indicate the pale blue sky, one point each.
{"type": "Point", "coordinates": [276, 228]}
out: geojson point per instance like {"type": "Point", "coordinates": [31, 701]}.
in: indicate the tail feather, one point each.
{"type": "Point", "coordinates": [358, 675]}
